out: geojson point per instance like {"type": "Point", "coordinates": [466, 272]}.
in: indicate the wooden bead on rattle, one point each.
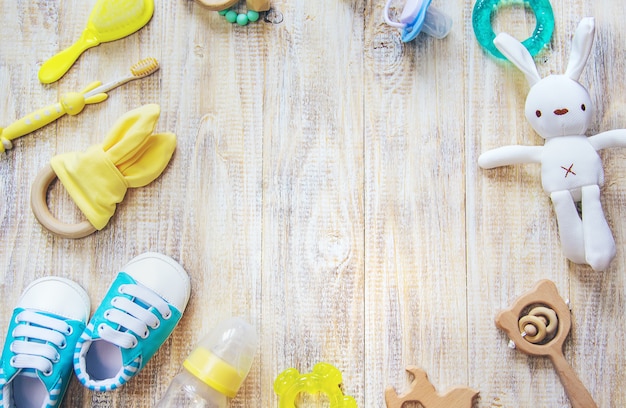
{"type": "Point", "coordinates": [540, 323]}
{"type": "Point", "coordinates": [532, 328]}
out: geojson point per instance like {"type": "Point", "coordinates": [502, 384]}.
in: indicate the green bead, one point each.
{"type": "Point", "coordinates": [253, 15]}
{"type": "Point", "coordinates": [231, 16]}
{"type": "Point", "coordinates": [223, 12]}
{"type": "Point", "coordinates": [242, 19]}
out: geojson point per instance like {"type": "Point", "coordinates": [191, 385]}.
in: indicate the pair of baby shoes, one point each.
{"type": "Point", "coordinates": [49, 337]}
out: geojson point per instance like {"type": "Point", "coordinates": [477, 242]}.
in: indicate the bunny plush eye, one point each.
{"type": "Point", "coordinates": [538, 113]}
{"type": "Point", "coordinates": [583, 107]}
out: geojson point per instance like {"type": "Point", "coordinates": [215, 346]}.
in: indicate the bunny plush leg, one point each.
{"type": "Point", "coordinates": [599, 242]}
{"type": "Point", "coordinates": [570, 226]}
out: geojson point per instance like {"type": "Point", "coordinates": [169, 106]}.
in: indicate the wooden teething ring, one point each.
{"type": "Point", "coordinates": [39, 205]}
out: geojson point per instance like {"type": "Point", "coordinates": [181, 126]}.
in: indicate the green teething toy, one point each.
{"type": "Point", "coordinates": [485, 9]}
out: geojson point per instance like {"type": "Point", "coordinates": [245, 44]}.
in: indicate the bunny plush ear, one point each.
{"type": "Point", "coordinates": [515, 52]}
{"type": "Point", "coordinates": [581, 48]}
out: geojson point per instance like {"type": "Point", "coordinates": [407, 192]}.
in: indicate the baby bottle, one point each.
{"type": "Point", "coordinates": [213, 372]}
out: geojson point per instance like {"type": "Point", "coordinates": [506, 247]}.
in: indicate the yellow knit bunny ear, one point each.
{"type": "Point", "coordinates": [97, 179]}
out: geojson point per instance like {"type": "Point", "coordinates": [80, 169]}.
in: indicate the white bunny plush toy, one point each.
{"type": "Point", "coordinates": [559, 110]}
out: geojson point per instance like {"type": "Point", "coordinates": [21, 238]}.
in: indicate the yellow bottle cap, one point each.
{"type": "Point", "coordinates": [223, 358]}
{"type": "Point", "coordinates": [213, 371]}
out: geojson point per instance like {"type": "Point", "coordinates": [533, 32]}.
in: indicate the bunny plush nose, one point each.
{"type": "Point", "coordinates": [560, 111]}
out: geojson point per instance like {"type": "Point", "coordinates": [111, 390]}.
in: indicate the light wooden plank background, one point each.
{"type": "Point", "coordinates": [325, 188]}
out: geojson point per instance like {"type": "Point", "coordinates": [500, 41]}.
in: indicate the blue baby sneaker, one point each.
{"type": "Point", "coordinates": [138, 313]}
{"type": "Point", "coordinates": [36, 363]}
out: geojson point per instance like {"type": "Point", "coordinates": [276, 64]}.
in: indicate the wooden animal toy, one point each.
{"type": "Point", "coordinates": [538, 324]}
{"type": "Point", "coordinates": [559, 109]}
{"type": "Point", "coordinates": [424, 393]}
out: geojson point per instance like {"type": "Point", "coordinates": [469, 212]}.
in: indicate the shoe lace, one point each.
{"type": "Point", "coordinates": [133, 316]}
{"type": "Point", "coordinates": [36, 336]}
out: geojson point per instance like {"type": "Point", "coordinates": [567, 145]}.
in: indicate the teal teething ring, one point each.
{"type": "Point", "coordinates": [481, 20]}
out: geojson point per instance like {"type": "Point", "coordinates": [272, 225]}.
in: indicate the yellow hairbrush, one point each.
{"type": "Point", "coordinates": [71, 103]}
{"type": "Point", "coordinates": [109, 20]}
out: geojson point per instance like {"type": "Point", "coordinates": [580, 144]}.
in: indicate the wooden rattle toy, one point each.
{"type": "Point", "coordinates": [424, 393]}
{"type": "Point", "coordinates": [559, 109]}
{"type": "Point", "coordinates": [324, 378]}
{"type": "Point", "coordinates": [538, 324]}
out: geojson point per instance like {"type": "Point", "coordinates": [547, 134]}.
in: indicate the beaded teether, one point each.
{"type": "Point", "coordinates": [324, 378]}
{"type": "Point", "coordinates": [223, 6]}
{"type": "Point", "coordinates": [240, 18]}
{"type": "Point", "coordinates": [538, 324]}
{"type": "Point", "coordinates": [424, 393]}
{"type": "Point", "coordinates": [484, 11]}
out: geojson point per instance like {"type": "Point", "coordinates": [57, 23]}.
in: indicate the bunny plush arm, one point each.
{"type": "Point", "coordinates": [508, 155]}
{"type": "Point", "coordinates": [611, 138]}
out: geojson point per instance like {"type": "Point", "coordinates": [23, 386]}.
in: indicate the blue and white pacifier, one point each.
{"type": "Point", "coordinates": [418, 16]}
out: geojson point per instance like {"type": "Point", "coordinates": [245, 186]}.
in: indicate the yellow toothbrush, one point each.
{"type": "Point", "coordinates": [109, 20]}
{"type": "Point", "coordinates": [71, 103]}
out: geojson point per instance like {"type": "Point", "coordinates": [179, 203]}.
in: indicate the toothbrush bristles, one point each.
{"type": "Point", "coordinates": [141, 69]}
{"type": "Point", "coordinates": [144, 67]}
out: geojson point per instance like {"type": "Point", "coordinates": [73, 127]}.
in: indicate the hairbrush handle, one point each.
{"type": "Point", "coordinates": [578, 395]}
{"type": "Point", "coordinates": [55, 67]}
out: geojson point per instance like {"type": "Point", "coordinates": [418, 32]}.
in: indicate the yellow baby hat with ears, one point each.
{"type": "Point", "coordinates": [130, 156]}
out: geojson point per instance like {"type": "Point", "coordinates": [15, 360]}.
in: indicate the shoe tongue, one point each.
{"type": "Point", "coordinates": [28, 372]}
{"type": "Point", "coordinates": [141, 303]}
